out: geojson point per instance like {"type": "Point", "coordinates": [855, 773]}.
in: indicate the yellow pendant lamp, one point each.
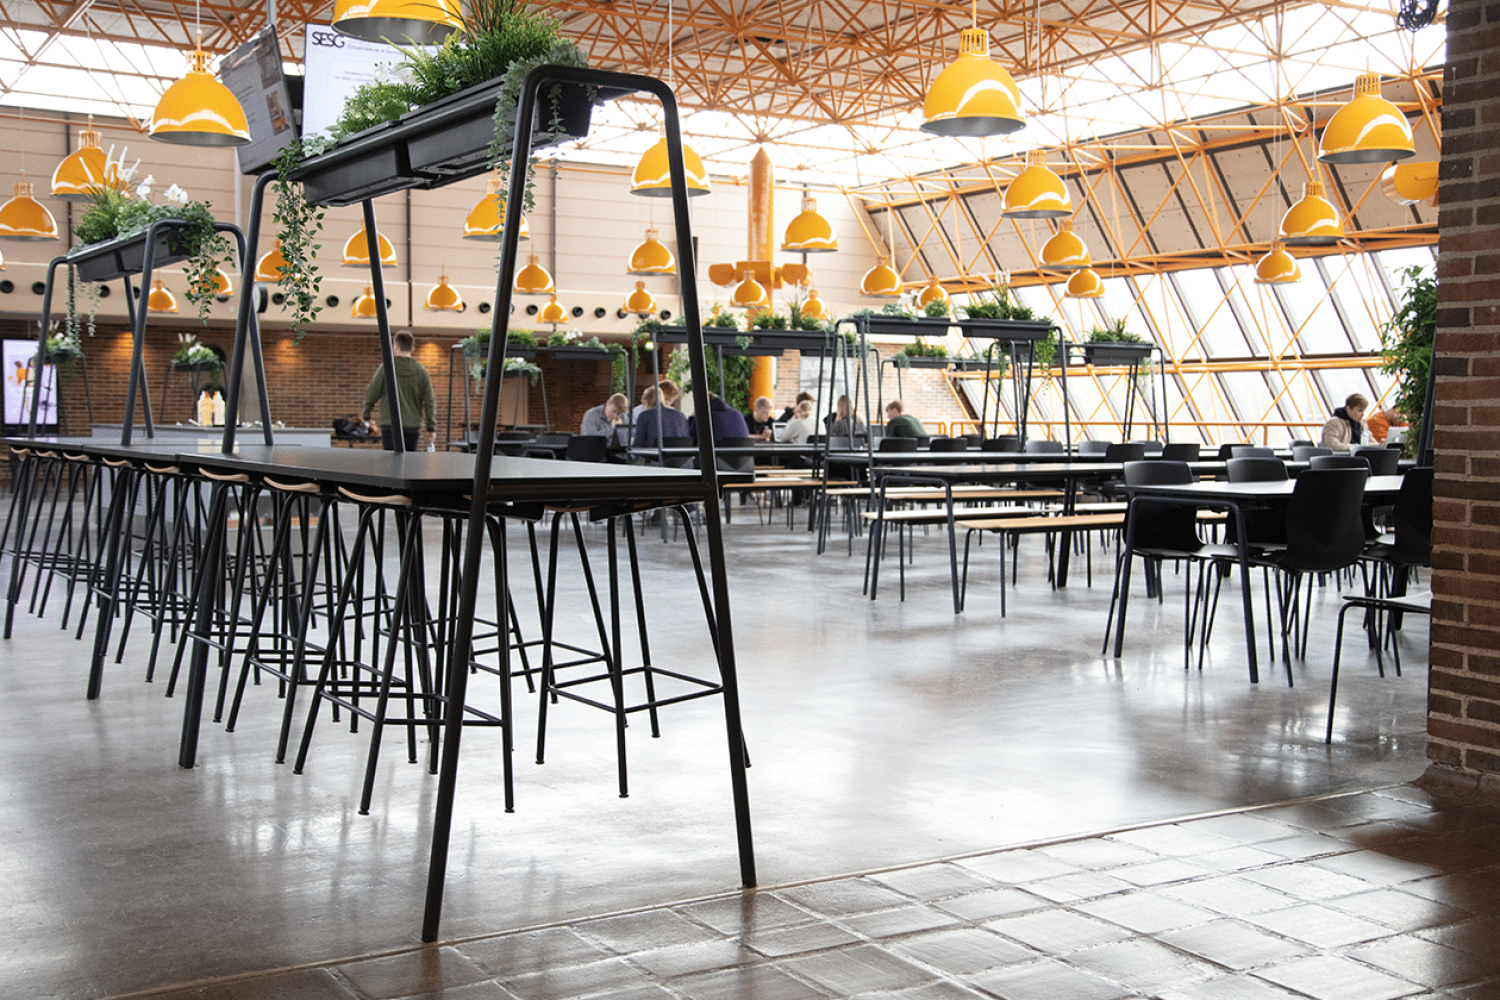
{"type": "Point", "coordinates": [652, 257]}
{"type": "Point", "coordinates": [974, 95]}
{"type": "Point", "coordinates": [934, 292]}
{"type": "Point", "coordinates": [365, 307]}
{"type": "Point", "coordinates": [161, 300]}
{"type": "Point", "coordinates": [1410, 183]}
{"type": "Point", "coordinates": [881, 280]}
{"type": "Point", "coordinates": [25, 218]}
{"type": "Point", "coordinates": [1277, 267]}
{"type": "Point", "coordinates": [812, 307]}
{"type": "Point", "coordinates": [533, 279]}
{"type": "Point", "coordinates": [357, 250]}
{"type": "Point", "coordinates": [487, 218]}
{"type": "Point", "coordinates": [809, 232]}
{"type": "Point", "coordinates": [652, 177]}
{"type": "Point", "coordinates": [1085, 284]}
{"type": "Point", "coordinates": [401, 22]}
{"type": "Point", "coordinates": [1037, 192]}
{"type": "Point", "coordinates": [223, 284]}
{"type": "Point", "coordinates": [749, 293]}
{"type": "Point", "coordinates": [83, 170]}
{"type": "Point", "coordinates": [1312, 221]}
{"type": "Point", "coordinates": [552, 312]}
{"type": "Point", "coordinates": [1369, 129]}
{"type": "Point", "coordinates": [198, 110]}
{"type": "Point", "coordinates": [444, 296]}
{"type": "Point", "coordinates": [641, 302]}
{"type": "Point", "coordinates": [1065, 250]}
{"type": "Point", "coordinates": [268, 268]}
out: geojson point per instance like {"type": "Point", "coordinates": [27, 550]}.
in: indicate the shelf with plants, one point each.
{"type": "Point", "coordinates": [901, 324]}
{"type": "Point", "coordinates": [996, 315]}
{"type": "Point", "coordinates": [1115, 345]}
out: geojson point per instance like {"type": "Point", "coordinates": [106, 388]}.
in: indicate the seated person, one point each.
{"type": "Point", "coordinates": [1346, 427]}
{"type": "Point", "coordinates": [657, 422]}
{"type": "Point", "coordinates": [801, 426]}
{"type": "Point", "coordinates": [666, 391]}
{"type": "Point", "coordinates": [724, 421]}
{"type": "Point", "coordinates": [900, 424]}
{"type": "Point", "coordinates": [791, 411]}
{"type": "Point", "coordinates": [844, 422]}
{"type": "Point", "coordinates": [605, 419]}
{"type": "Point", "coordinates": [1380, 422]}
{"type": "Point", "coordinates": [759, 420]}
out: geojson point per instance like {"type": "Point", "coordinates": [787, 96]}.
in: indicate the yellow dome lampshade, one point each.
{"type": "Point", "coordinates": [1369, 129]}
{"type": "Point", "coordinates": [652, 257]}
{"type": "Point", "coordinates": [1312, 221]}
{"type": "Point", "coordinates": [813, 307]}
{"type": "Point", "coordinates": [1410, 183]}
{"type": "Point", "coordinates": [934, 292]}
{"type": "Point", "coordinates": [1065, 250]}
{"type": "Point", "coordinates": [1085, 284]}
{"type": "Point", "coordinates": [749, 293]}
{"type": "Point", "coordinates": [553, 312]}
{"type": "Point", "coordinates": [444, 296]}
{"type": "Point", "coordinates": [533, 279]}
{"type": "Point", "coordinates": [1037, 192]}
{"type": "Point", "coordinates": [198, 110]}
{"type": "Point", "coordinates": [401, 22]}
{"type": "Point", "coordinates": [974, 95]}
{"type": "Point", "coordinates": [365, 307]}
{"type": "Point", "coordinates": [25, 218]}
{"type": "Point", "coordinates": [809, 232]}
{"type": "Point", "coordinates": [640, 301]}
{"type": "Point", "coordinates": [1277, 267]}
{"type": "Point", "coordinates": [222, 282]}
{"type": "Point", "coordinates": [487, 218]}
{"type": "Point", "coordinates": [161, 300]}
{"type": "Point", "coordinates": [357, 250]}
{"type": "Point", "coordinates": [83, 170]}
{"type": "Point", "coordinates": [881, 280]}
{"type": "Point", "coordinates": [268, 268]}
{"type": "Point", "coordinates": [652, 178]}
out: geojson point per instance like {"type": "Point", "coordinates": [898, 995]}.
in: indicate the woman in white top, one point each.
{"type": "Point", "coordinates": [800, 427]}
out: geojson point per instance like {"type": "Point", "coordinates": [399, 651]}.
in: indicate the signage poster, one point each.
{"type": "Point", "coordinates": [336, 66]}
{"type": "Point", "coordinates": [253, 74]}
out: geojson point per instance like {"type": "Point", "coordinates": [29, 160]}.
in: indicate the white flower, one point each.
{"type": "Point", "coordinates": [144, 190]}
{"type": "Point", "coordinates": [176, 195]}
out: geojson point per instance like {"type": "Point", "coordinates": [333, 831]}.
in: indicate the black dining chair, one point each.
{"type": "Point", "coordinates": [1299, 442]}
{"type": "Point", "coordinates": [897, 444]}
{"type": "Point", "coordinates": [1001, 442]}
{"type": "Point", "coordinates": [1307, 452]}
{"type": "Point", "coordinates": [1226, 451]}
{"type": "Point", "coordinates": [1383, 461]}
{"type": "Point", "coordinates": [1043, 448]}
{"type": "Point", "coordinates": [1250, 451]}
{"type": "Point", "coordinates": [1339, 462]}
{"type": "Point", "coordinates": [1093, 447]}
{"type": "Point", "coordinates": [946, 444]}
{"type": "Point", "coordinates": [586, 448]}
{"type": "Point", "coordinates": [1187, 451]}
{"type": "Point", "coordinates": [1129, 451]}
{"type": "Point", "coordinates": [973, 440]}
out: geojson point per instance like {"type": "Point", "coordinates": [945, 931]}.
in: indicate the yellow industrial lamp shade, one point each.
{"type": "Point", "coordinates": [365, 307]}
{"type": "Point", "coordinates": [652, 257]}
{"type": "Point", "coordinates": [640, 301]}
{"type": "Point", "coordinates": [223, 284]}
{"type": "Point", "coordinates": [1085, 284]}
{"type": "Point", "coordinates": [1037, 192]}
{"type": "Point", "coordinates": [487, 218]}
{"type": "Point", "coordinates": [974, 95]}
{"type": "Point", "coordinates": [881, 280]}
{"type": "Point", "coordinates": [1312, 221]}
{"type": "Point", "coordinates": [1277, 267]}
{"type": "Point", "coordinates": [25, 218]}
{"type": "Point", "coordinates": [161, 300]}
{"type": "Point", "coordinates": [749, 293]}
{"type": "Point", "coordinates": [552, 312]}
{"type": "Point", "coordinates": [1410, 183]}
{"type": "Point", "coordinates": [83, 170]}
{"type": "Point", "coordinates": [198, 110]}
{"type": "Point", "coordinates": [444, 296]}
{"type": "Point", "coordinates": [812, 307]}
{"type": "Point", "coordinates": [934, 292]}
{"type": "Point", "coordinates": [653, 179]}
{"type": "Point", "coordinates": [1065, 250]}
{"type": "Point", "coordinates": [533, 279]}
{"type": "Point", "coordinates": [1369, 129]}
{"type": "Point", "coordinates": [809, 232]}
{"type": "Point", "coordinates": [357, 250]}
{"type": "Point", "coordinates": [268, 268]}
{"type": "Point", "coordinates": [401, 22]}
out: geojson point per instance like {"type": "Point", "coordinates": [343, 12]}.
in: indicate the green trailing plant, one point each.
{"type": "Point", "coordinates": [1406, 343]}
{"type": "Point", "coordinates": [768, 320]}
{"type": "Point", "coordinates": [1114, 333]}
{"type": "Point", "coordinates": [722, 319]}
{"type": "Point", "coordinates": [300, 223]}
{"type": "Point", "coordinates": [513, 366]}
{"type": "Point", "coordinates": [895, 309]}
{"type": "Point", "coordinates": [998, 303]}
{"type": "Point", "coordinates": [63, 343]}
{"type": "Point", "coordinates": [936, 309]}
{"type": "Point", "coordinates": [558, 339]}
{"type": "Point", "coordinates": [920, 349]}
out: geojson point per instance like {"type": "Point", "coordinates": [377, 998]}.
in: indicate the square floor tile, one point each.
{"type": "Point", "coordinates": [860, 969]}
{"type": "Point", "coordinates": [577, 980]}
{"type": "Point", "coordinates": [686, 959]}
{"type": "Point", "coordinates": [491, 991]}
{"type": "Point", "coordinates": [1304, 847]}
{"type": "Point", "coordinates": [901, 921]}
{"type": "Point", "coordinates": [929, 991]}
{"type": "Point", "coordinates": [1048, 980]}
{"type": "Point", "coordinates": [1234, 945]}
{"type": "Point", "coordinates": [1320, 926]}
{"type": "Point", "coordinates": [1470, 890]}
{"type": "Point", "coordinates": [1237, 859]}
{"type": "Point", "coordinates": [744, 981]}
{"type": "Point", "coordinates": [1480, 935]}
{"type": "Point", "coordinates": [1399, 910]}
{"type": "Point", "coordinates": [1381, 869]}
{"type": "Point", "coordinates": [799, 940]}
{"type": "Point", "coordinates": [635, 932]}
{"type": "Point", "coordinates": [1227, 894]}
{"type": "Point", "coordinates": [1428, 962]}
{"type": "Point", "coordinates": [1329, 977]}
{"type": "Point", "coordinates": [844, 896]}
{"type": "Point", "coordinates": [962, 951]}
{"type": "Point", "coordinates": [934, 881]}
{"type": "Point", "coordinates": [426, 972]}
{"type": "Point", "coordinates": [1098, 852]}
{"type": "Point", "coordinates": [1174, 841]}
{"type": "Point", "coordinates": [1057, 931]}
{"type": "Point", "coordinates": [1244, 828]}
{"type": "Point", "coordinates": [1162, 872]}
{"type": "Point", "coordinates": [980, 906]}
{"type": "Point", "coordinates": [1232, 988]}
{"type": "Point", "coordinates": [1144, 965]}
{"type": "Point", "coordinates": [1019, 867]}
{"type": "Point", "coordinates": [751, 911]}
{"type": "Point", "coordinates": [1079, 885]}
{"type": "Point", "coordinates": [304, 984]}
{"type": "Point", "coordinates": [531, 951]}
{"type": "Point", "coordinates": [1145, 912]}
{"type": "Point", "coordinates": [1307, 881]}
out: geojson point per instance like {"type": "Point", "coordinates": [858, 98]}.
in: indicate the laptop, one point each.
{"type": "Point", "coordinates": [1396, 435]}
{"type": "Point", "coordinates": [777, 430]}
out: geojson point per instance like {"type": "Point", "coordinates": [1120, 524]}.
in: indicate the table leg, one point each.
{"type": "Point", "coordinates": [1065, 539]}
{"type": "Point", "coordinates": [1242, 547]}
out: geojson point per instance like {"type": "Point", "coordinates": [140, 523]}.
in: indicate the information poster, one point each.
{"type": "Point", "coordinates": [336, 66]}
{"type": "Point", "coordinates": [18, 386]}
{"type": "Point", "coordinates": [253, 73]}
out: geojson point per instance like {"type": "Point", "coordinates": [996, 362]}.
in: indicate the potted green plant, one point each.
{"type": "Point", "coordinates": [518, 344]}
{"type": "Point", "coordinates": [62, 345]}
{"type": "Point", "coordinates": [1406, 342]}
{"type": "Point", "coordinates": [193, 356]}
{"type": "Point", "coordinates": [1115, 345]}
{"type": "Point", "coordinates": [997, 315]}
{"type": "Point", "coordinates": [921, 355]}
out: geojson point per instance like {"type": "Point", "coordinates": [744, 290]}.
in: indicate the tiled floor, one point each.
{"type": "Point", "coordinates": [1110, 828]}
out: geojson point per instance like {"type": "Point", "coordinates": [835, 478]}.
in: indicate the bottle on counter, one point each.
{"type": "Point", "coordinates": [218, 409]}
{"type": "Point", "coordinates": [205, 409]}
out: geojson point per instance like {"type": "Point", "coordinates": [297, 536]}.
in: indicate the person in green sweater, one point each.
{"type": "Point", "coordinates": [413, 395]}
{"type": "Point", "coordinates": [900, 424]}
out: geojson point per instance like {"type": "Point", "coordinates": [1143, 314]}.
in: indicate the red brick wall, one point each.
{"type": "Point", "coordinates": [1464, 691]}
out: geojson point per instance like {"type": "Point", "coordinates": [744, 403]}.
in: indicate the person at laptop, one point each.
{"type": "Point", "coordinates": [900, 424]}
{"type": "Point", "coordinates": [759, 420]}
{"type": "Point", "coordinates": [657, 421]}
{"type": "Point", "coordinates": [1380, 422]}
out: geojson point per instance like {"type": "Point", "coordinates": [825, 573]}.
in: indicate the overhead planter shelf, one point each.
{"type": "Point", "coordinates": [578, 353]}
{"type": "Point", "coordinates": [1106, 353]}
{"type": "Point", "coordinates": [1007, 329]}
{"type": "Point", "coordinates": [125, 255]}
{"type": "Point", "coordinates": [903, 326]}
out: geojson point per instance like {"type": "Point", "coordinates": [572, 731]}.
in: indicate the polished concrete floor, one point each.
{"type": "Point", "coordinates": [887, 737]}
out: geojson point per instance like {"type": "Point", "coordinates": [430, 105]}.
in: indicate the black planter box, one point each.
{"type": "Point", "coordinates": [452, 137]}
{"type": "Point", "coordinates": [195, 366]}
{"type": "Point", "coordinates": [578, 354]}
{"type": "Point", "coordinates": [366, 165]}
{"type": "Point", "coordinates": [1006, 329]}
{"type": "Point", "coordinates": [912, 362]}
{"type": "Point", "coordinates": [712, 336]}
{"type": "Point", "coordinates": [1115, 354]}
{"type": "Point", "coordinates": [901, 326]}
{"type": "Point", "coordinates": [125, 255]}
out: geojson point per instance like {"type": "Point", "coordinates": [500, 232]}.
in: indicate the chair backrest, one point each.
{"type": "Point", "coordinates": [973, 440]}
{"type": "Point", "coordinates": [1130, 451]}
{"type": "Point", "coordinates": [837, 442]}
{"type": "Point", "coordinates": [1300, 442]}
{"type": "Point", "coordinates": [1324, 530]}
{"type": "Point", "coordinates": [1383, 461]}
{"type": "Point", "coordinates": [1159, 525]}
{"type": "Point", "coordinates": [1157, 473]}
{"type": "Point", "coordinates": [1185, 452]}
{"type": "Point", "coordinates": [1250, 451]}
{"type": "Point", "coordinates": [1043, 447]}
{"type": "Point", "coordinates": [513, 435]}
{"type": "Point", "coordinates": [1226, 452]}
{"type": "Point", "coordinates": [1412, 518]}
{"type": "Point", "coordinates": [1307, 452]}
{"type": "Point", "coordinates": [1340, 462]}
{"type": "Point", "coordinates": [587, 448]}
{"type": "Point", "coordinates": [1150, 444]}
{"type": "Point", "coordinates": [1093, 447]}
{"type": "Point", "coordinates": [898, 444]}
{"type": "Point", "coordinates": [1256, 470]}
{"type": "Point", "coordinates": [948, 444]}
{"type": "Point", "coordinates": [553, 438]}
{"type": "Point", "coordinates": [1001, 442]}
{"type": "Point", "coordinates": [672, 441]}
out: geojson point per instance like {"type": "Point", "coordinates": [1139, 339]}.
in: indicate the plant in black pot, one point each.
{"type": "Point", "coordinates": [1115, 345]}
{"type": "Point", "coordinates": [1406, 345]}
{"type": "Point", "coordinates": [919, 349]}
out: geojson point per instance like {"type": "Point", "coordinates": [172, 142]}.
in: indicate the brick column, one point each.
{"type": "Point", "coordinates": [1463, 720]}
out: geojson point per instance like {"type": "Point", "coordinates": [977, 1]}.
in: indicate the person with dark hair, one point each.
{"type": "Point", "coordinates": [724, 421]}
{"type": "Point", "coordinates": [791, 411]}
{"type": "Point", "coordinates": [900, 424]}
{"type": "Point", "coordinates": [414, 396]}
{"type": "Point", "coordinates": [1347, 425]}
